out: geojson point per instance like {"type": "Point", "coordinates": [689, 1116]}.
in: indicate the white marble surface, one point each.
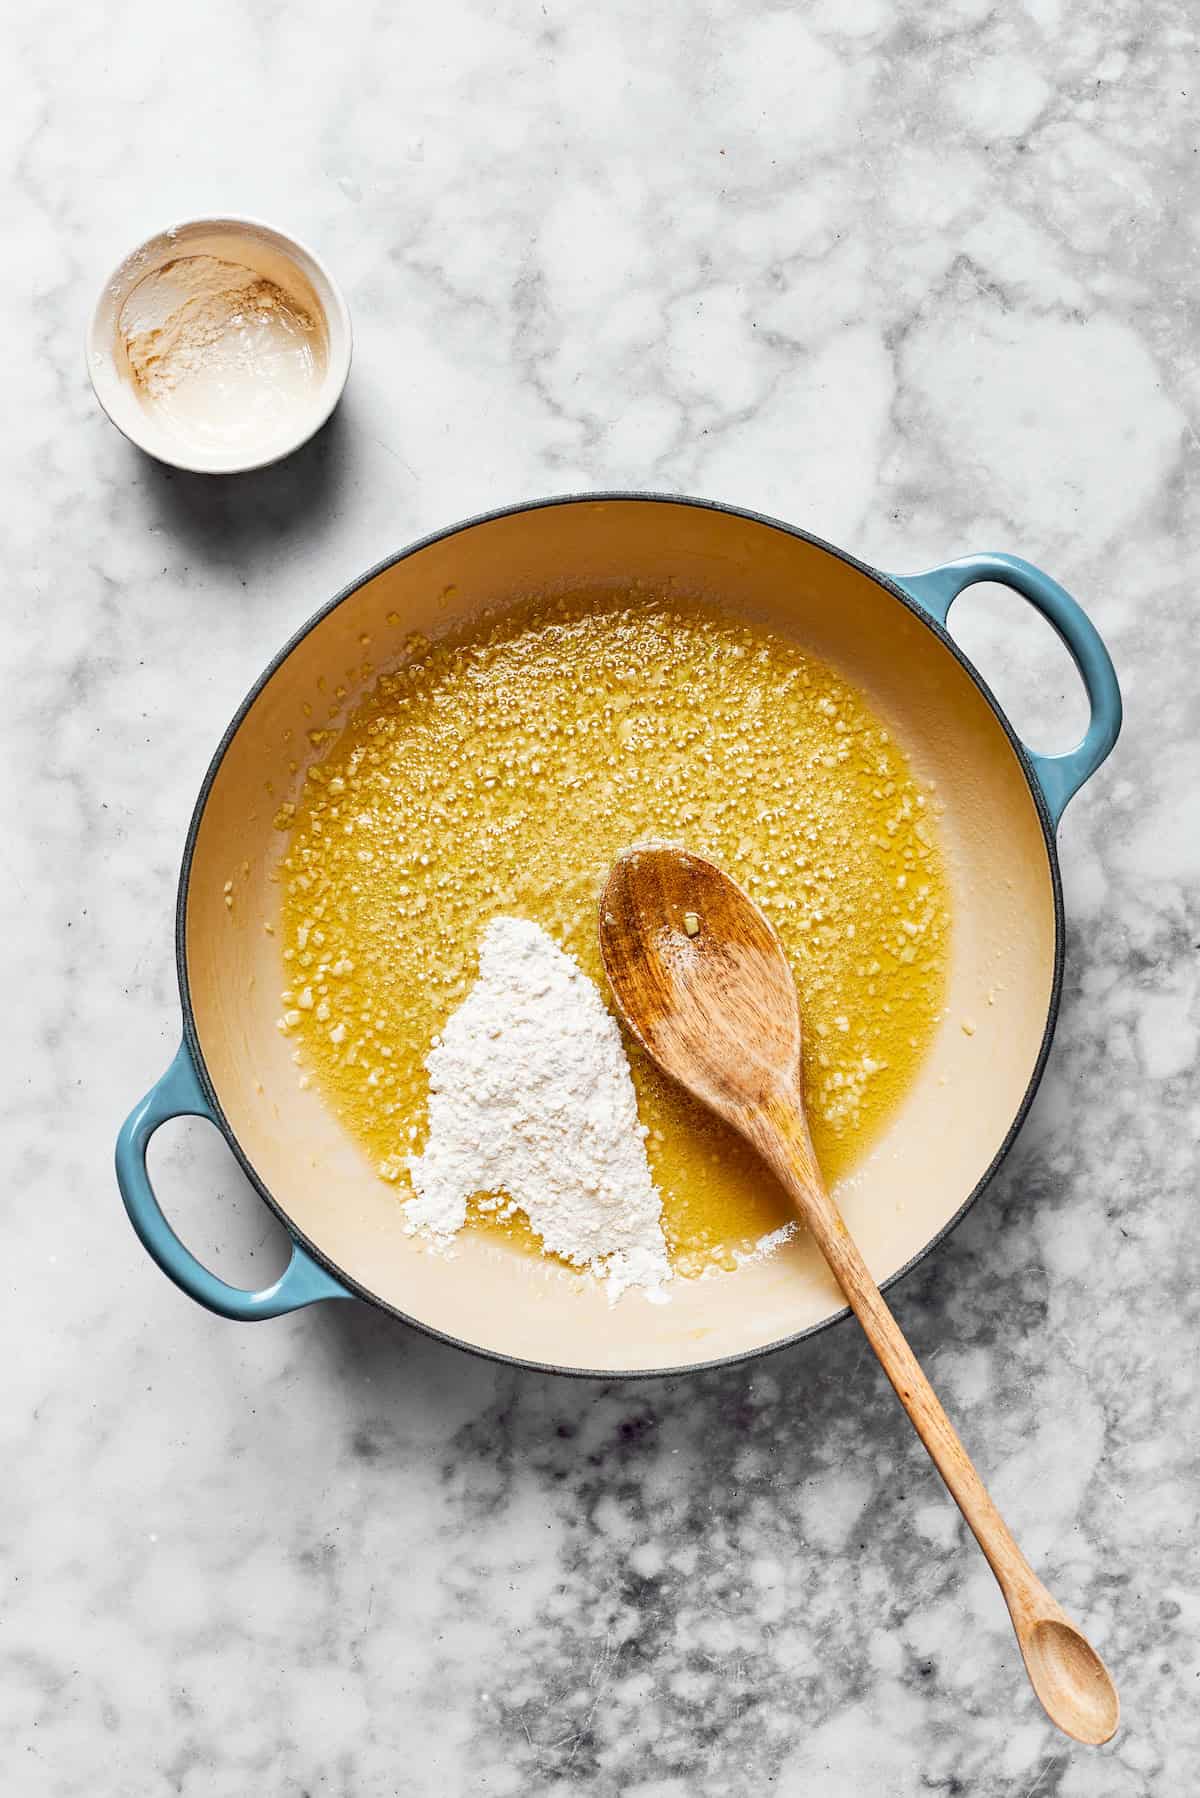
{"type": "Point", "coordinates": [920, 277]}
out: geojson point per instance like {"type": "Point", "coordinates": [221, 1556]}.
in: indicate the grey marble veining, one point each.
{"type": "Point", "coordinates": [919, 277]}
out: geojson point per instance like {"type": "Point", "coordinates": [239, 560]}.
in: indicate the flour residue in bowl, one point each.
{"type": "Point", "coordinates": [219, 353]}
{"type": "Point", "coordinates": [531, 1101]}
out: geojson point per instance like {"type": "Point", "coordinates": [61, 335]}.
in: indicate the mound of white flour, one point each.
{"type": "Point", "coordinates": [530, 1095]}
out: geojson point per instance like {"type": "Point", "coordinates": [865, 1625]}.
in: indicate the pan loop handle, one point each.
{"type": "Point", "coordinates": [1059, 776]}
{"type": "Point", "coordinates": [179, 1094]}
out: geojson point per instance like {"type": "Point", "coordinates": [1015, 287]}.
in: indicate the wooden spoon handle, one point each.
{"type": "Point", "coordinates": [1071, 1681]}
{"type": "Point", "coordinates": [779, 1131]}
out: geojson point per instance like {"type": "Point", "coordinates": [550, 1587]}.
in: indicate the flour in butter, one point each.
{"type": "Point", "coordinates": [530, 1095]}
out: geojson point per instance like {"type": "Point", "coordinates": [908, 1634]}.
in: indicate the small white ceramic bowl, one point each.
{"type": "Point", "coordinates": [269, 252]}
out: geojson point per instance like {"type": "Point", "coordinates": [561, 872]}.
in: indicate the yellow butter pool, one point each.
{"type": "Point", "coordinates": [502, 772]}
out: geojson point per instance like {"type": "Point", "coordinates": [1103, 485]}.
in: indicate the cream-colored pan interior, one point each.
{"type": "Point", "coordinates": [938, 1146]}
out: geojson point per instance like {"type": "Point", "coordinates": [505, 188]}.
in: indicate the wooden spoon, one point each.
{"type": "Point", "coordinates": [702, 982]}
